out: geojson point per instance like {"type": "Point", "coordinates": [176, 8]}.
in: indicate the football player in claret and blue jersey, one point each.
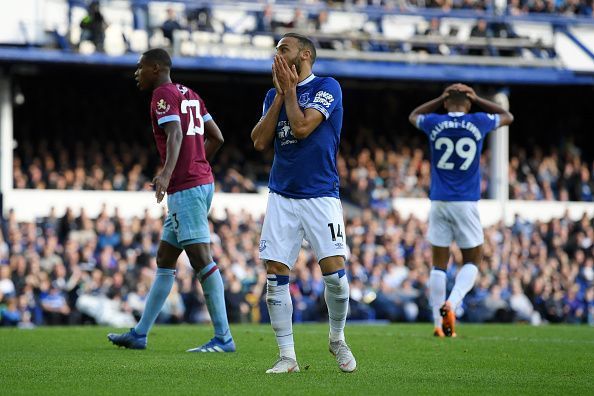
{"type": "Point", "coordinates": [302, 117]}
{"type": "Point", "coordinates": [455, 141]}
{"type": "Point", "coordinates": [187, 138]}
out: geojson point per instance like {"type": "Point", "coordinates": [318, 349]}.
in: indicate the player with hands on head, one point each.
{"type": "Point", "coordinates": [455, 141]}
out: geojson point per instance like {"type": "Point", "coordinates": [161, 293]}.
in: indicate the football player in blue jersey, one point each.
{"type": "Point", "coordinates": [302, 117]}
{"type": "Point", "coordinates": [455, 141]}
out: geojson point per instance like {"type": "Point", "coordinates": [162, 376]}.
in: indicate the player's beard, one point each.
{"type": "Point", "coordinates": [297, 62]}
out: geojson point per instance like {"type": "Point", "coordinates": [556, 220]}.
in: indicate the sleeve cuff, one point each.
{"type": "Point", "coordinates": [420, 118]}
{"type": "Point", "coordinates": [319, 108]}
{"type": "Point", "coordinates": [168, 118]}
{"type": "Point", "coordinates": [207, 117]}
{"type": "Point", "coordinates": [497, 121]}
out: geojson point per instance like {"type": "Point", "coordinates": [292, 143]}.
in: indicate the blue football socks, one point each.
{"type": "Point", "coordinates": [214, 293]}
{"type": "Point", "coordinates": [159, 291]}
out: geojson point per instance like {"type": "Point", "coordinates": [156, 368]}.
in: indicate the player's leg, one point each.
{"type": "Point", "coordinates": [214, 294]}
{"type": "Point", "coordinates": [469, 237]}
{"type": "Point", "coordinates": [280, 309]}
{"type": "Point", "coordinates": [189, 209]}
{"type": "Point", "coordinates": [322, 220]}
{"type": "Point", "coordinates": [437, 285]}
{"type": "Point", "coordinates": [279, 245]}
{"type": "Point", "coordinates": [166, 261]}
{"type": "Point", "coordinates": [440, 235]}
{"type": "Point", "coordinates": [167, 256]}
{"type": "Point", "coordinates": [466, 275]}
{"type": "Point", "coordinates": [336, 294]}
{"type": "Point", "coordinates": [464, 282]}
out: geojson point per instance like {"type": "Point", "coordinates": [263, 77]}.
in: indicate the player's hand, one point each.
{"type": "Point", "coordinates": [446, 93]}
{"type": "Point", "coordinates": [450, 88]}
{"type": "Point", "coordinates": [161, 182]}
{"type": "Point", "coordinates": [470, 94]}
{"type": "Point", "coordinates": [286, 76]}
{"type": "Point", "coordinates": [279, 90]}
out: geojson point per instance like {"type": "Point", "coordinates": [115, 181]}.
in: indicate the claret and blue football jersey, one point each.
{"type": "Point", "coordinates": [456, 141]}
{"type": "Point", "coordinates": [306, 168]}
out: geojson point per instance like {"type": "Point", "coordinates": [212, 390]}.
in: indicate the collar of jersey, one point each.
{"type": "Point", "coordinates": [456, 113]}
{"type": "Point", "coordinates": [307, 80]}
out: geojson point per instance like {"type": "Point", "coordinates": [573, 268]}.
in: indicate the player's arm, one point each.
{"type": "Point", "coordinates": [505, 117]}
{"type": "Point", "coordinates": [303, 123]}
{"type": "Point", "coordinates": [428, 107]}
{"type": "Point", "coordinates": [213, 139]}
{"type": "Point", "coordinates": [263, 133]}
{"type": "Point", "coordinates": [174, 140]}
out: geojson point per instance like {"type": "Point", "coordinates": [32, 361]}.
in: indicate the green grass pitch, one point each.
{"type": "Point", "coordinates": [392, 359]}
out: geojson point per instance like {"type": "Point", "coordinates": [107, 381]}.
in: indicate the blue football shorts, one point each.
{"type": "Point", "coordinates": [187, 217]}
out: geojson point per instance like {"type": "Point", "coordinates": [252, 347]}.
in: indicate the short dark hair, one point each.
{"type": "Point", "coordinates": [159, 56]}
{"type": "Point", "coordinates": [457, 96]}
{"type": "Point", "coordinates": [304, 43]}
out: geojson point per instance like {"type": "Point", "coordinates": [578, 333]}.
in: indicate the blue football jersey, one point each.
{"type": "Point", "coordinates": [307, 168]}
{"type": "Point", "coordinates": [456, 142]}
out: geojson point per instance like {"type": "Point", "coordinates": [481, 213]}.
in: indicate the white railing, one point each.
{"type": "Point", "coordinates": [31, 204]}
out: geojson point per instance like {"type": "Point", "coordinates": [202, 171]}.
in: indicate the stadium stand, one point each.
{"type": "Point", "coordinates": [62, 268]}
{"type": "Point", "coordinates": [381, 157]}
{"type": "Point", "coordinates": [370, 176]}
{"type": "Point", "coordinates": [74, 269]}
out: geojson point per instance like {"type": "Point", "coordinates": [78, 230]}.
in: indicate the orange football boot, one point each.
{"type": "Point", "coordinates": [448, 324]}
{"type": "Point", "coordinates": [438, 332]}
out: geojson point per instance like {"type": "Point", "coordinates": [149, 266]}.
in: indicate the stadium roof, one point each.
{"type": "Point", "coordinates": [410, 70]}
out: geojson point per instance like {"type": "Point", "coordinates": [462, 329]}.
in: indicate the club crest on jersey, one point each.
{"type": "Point", "coordinates": [162, 107]}
{"type": "Point", "coordinates": [262, 245]}
{"type": "Point", "coordinates": [303, 99]}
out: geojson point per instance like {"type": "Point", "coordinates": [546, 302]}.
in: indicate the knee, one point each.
{"type": "Point", "coordinates": [332, 281]}
{"type": "Point", "coordinates": [472, 268]}
{"type": "Point", "coordinates": [164, 262]}
{"type": "Point", "coordinates": [276, 268]}
{"type": "Point", "coordinates": [337, 282]}
{"type": "Point", "coordinates": [199, 258]}
{"type": "Point", "coordinates": [474, 255]}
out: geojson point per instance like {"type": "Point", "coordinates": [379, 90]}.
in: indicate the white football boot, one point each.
{"type": "Point", "coordinates": [344, 357]}
{"type": "Point", "coordinates": [284, 365]}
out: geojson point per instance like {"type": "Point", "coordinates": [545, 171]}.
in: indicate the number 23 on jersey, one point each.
{"type": "Point", "coordinates": [196, 124]}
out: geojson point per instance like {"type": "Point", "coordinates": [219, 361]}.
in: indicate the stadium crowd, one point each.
{"type": "Point", "coordinates": [369, 176]}
{"type": "Point", "coordinates": [68, 269]}
{"type": "Point", "coordinates": [312, 16]}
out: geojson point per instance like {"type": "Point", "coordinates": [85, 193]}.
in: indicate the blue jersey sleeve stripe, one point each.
{"type": "Point", "coordinates": [420, 120]}
{"type": "Point", "coordinates": [319, 108]}
{"type": "Point", "coordinates": [168, 118]}
{"type": "Point", "coordinates": [207, 117]}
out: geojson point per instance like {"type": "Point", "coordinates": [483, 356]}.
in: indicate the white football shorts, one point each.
{"type": "Point", "coordinates": [288, 221]}
{"type": "Point", "coordinates": [455, 221]}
